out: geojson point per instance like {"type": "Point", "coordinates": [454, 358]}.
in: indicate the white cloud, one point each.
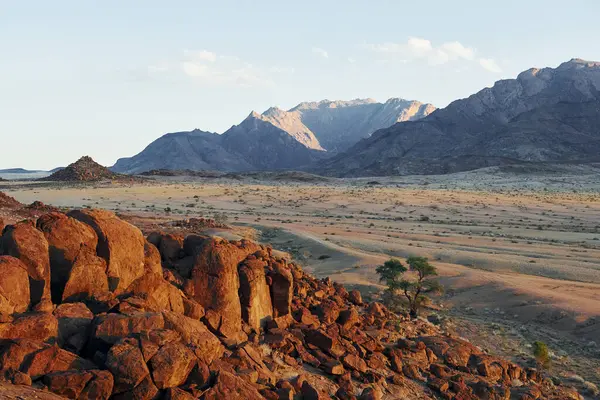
{"type": "Point", "coordinates": [282, 70]}
{"type": "Point", "coordinates": [490, 65]}
{"type": "Point", "coordinates": [201, 55]}
{"type": "Point", "coordinates": [420, 49]}
{"type": "Point", "coordinates": [419, 46]}
{"type": "Point", "coordinates": [211, 69]}
{"type": "Point", "coordinates": [224, 71]}
{"type": "Point", "coordinates": [456, 50]}
{"type": "Point", "coordinates": [195, 70]}
{"type": "Point", "coordinates": [319, 51]}
{"type": "Point", "coordinates": [158, 68]}
{"type": "Point", "coordinates": [351, 60]}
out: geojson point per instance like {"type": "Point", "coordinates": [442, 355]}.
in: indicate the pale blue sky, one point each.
{"type": "Point", "coordinates": [105, 78]}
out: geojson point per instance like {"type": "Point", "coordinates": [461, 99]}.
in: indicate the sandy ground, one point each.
{"type": "Point", "coordinates": [519, 252]}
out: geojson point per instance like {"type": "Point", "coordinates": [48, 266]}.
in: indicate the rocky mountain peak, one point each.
{"type": "Point", "coordinates": [579, 63]}
{"type": "Point", "coordinates": [324, 104]}
{"type": "Point", "coordinates": [273, 111]}
{"type": "Point", "coordinates": [253, 115]}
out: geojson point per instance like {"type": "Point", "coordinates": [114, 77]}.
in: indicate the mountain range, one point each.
{"type": "Point", "coordinates": [276, 139]}
{"type": "Point", "coordinates": [544, 115]}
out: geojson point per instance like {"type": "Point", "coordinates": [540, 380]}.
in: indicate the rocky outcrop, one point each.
{"type": "Point", "coordinates": [87, 277]}
{"type": "Point", "coordinates": [74, 323]}
{"type": "Point", "coordinates": [8, 202]}
{"type": "Point", "coordinates": [158, 294]}
{"type": "Point", "coordinates": [194, 332]}
{"type": "Point", "coordinates": [36, 326]}
{"type": "Point", "coordinates": [215, 283]}
{"type": "Point", "coordinates": [14, 286]}
{"type": "Point", "coordinates": [172, 364]}
{"type": "Point", "coordinates": [265, 321]}
{"type": "Point", "coordinates": [257, 308]}
{"type": "Point", "coordinates": [29, 245]}
{"type": "Point", "coordinates": [230, 386]}
{"type": "Point", "coordinates": [282, 289]}
{"type": "Point", "coordinates": [66, 236]}
{"type": "Point", "coordinates": [120, 244]}
{"type": "Point", "coordinates": [126, 363]}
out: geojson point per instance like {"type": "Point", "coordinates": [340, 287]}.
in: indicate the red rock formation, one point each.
{"type": "Point", "coordinates": [86, 278]}
{"type": "Point", "coordinates": [119, 243]}
{"type": "Point", "coordinates": [282, 289]}
{"type": "Point", "coordinates": [215, 283]}
{"type": "Point", "coordinates": [229, 386]}
{"type": "Point", "coordinates": [26, 243]}
{"type": "Point", "coordinates": [8, 202]}
{"type": "Point", "coordinates": [152, 340]}
{"type": "Point", "coordinates": [172, 364]}
{"type": "Point", "coordinates": [254, 295]}
{"type": "Point", "coordinates": [65, 236]}
{"type": "Point", "coordinates": [35, 325]}
{"type": "Point", "coordinates": [159, 294]}
{"type": "Point", "coordinates": [14, 286]}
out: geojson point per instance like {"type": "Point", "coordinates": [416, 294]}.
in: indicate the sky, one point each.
{"type": "Point", "coordinates": [106, 78]}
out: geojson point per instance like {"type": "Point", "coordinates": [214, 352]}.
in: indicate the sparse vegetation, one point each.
{"type": "Point", "coordinates": [221, 218]}
{"type": "Point", "coordinates": [541, 353]}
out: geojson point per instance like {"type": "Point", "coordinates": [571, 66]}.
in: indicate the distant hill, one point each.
{"type": "Point", "coordinates": [83, 170]}
{"type": "Point", "coordinates": [195, 150]}
{"type": "Point", "coordinates": [252, 145]}
{"type": "Point", "coordinates": [544, 115]}
{"type": "Point", "coordinates": [274, 140]}
{"type": "Point", "coordinates": [18, 171]}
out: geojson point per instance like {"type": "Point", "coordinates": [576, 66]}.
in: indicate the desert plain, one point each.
{"type": "Point", "coordinates": [518, 253]}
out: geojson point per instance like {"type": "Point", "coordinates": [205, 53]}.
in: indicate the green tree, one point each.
{"type": "Point", "coordinates": [414, 290]}
{"type": "Point", "coordinates": [541, 353]}
{"type": "Point", "coordinates": [391, 272]}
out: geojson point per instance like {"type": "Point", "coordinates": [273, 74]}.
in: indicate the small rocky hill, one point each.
{"type": "Point", "coordinates": [83, 170]}
{"type": "Point", "coordinates": [91, 309]}
{"type": "Point", "coordinates": [7, 201]}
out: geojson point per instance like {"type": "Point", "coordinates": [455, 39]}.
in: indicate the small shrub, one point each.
{"type": "Point", "coordinates": [541, 353]}
{"type": "Point", "coordinates": [221, 218]}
